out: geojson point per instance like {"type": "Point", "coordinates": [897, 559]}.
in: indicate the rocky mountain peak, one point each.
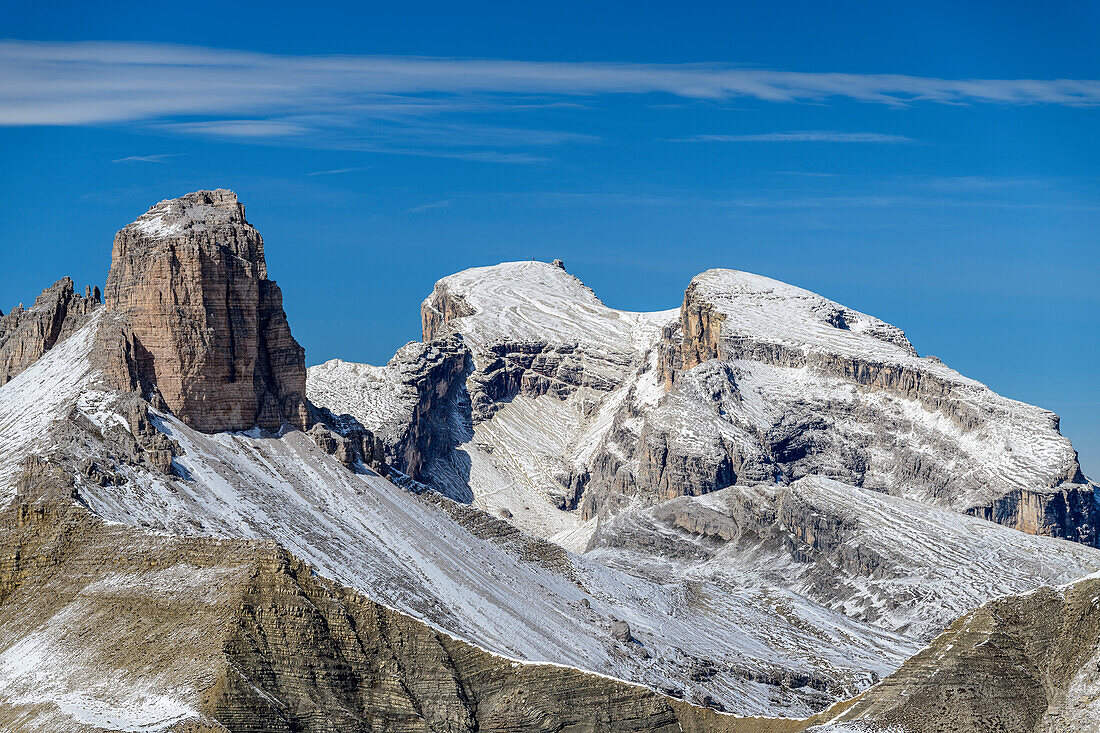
{"type": "Point", "coordinates": [202, 327]}
{"type": "Point", "coordinates": [26, 334]}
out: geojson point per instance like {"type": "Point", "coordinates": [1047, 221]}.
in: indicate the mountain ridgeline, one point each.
{"type": "Point", "coordinates": [759, 511]}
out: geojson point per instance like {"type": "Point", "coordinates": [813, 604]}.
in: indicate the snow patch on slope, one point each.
{"type": "Point", "coordinates": [38, 398]}
{"type": "Point", "coordinates": [536, 301]}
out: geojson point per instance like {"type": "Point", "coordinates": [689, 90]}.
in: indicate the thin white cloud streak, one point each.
{"type": "Point", "coordinates": [61, 83]}
{"type": "Point", "coordinates": [157, 158]}
{"type": "Point", "coordinates": [803, 136]}
{"type": "Point", "coordinates": [413, 104]}
{"type": "Point", "coordinates": [337, 171]}
{"type": "Point", "coordinates": [428, 207]}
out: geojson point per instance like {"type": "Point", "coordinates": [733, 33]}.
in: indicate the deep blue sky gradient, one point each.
{"type": "Point", "coordinates": [978, 235]}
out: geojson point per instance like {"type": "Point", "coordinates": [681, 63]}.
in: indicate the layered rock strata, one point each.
{"type": "Point", "coordinates": [586, 409]}
{"type": "Point", "coordinates": [1023, 664]}
{"type": "Point", "coordinates": [241, 636]}
{"type": "Point", "coordinates": [416, 406]}
{"type": "Point", "coordinates": [198, 324]}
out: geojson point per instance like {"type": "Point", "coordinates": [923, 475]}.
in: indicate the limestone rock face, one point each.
{"type": "Point", "coordinates": [201, 326]}
{"type": "Point", "coordinates": [26, 335]}
{"type": "Point", "coordinates": [1023, 664]}
{"type": "Point", "coordinates": [585, 409]}
{"type": "Point", "coordinates": [423, 389]}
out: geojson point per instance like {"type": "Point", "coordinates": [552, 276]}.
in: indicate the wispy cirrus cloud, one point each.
{"type": "Point", "coordinates": [338, 171]}
{"type": "Point", "coordinates": [445, 203]}
{"type": "Point", "coordinates": [422, 105]}
{"type": "Point", "coordinates": [802, 136]}
{"type": "Point", "coordinates": [157, 158]}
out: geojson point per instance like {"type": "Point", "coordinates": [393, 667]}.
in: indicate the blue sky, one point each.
{"type": "Point", "coordinates": [935, 165]}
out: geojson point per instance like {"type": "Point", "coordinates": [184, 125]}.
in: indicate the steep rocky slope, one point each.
{"type": "Point", "coordinates": [1024, 664]}
{"type": "Point", "coordinates": [451, 565]}
{"type": "Point", "coordinates": [104, 627]}
{"type": "Point", "coordinates": [845, 395]}
{"type": "Point", "coordinates": [761, 439]}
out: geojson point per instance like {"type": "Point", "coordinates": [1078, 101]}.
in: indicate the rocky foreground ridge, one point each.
{"type": "Point", "coordinates": [759, 503]}
{"type": "Point", "coordinates": [259, 640]}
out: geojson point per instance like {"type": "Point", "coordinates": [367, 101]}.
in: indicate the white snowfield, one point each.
{"type": "Point", "coordinates": [374, 395]}
{"type": "Point", "coordinates": [537, 301]}
{"type": "Point", "coordinates": [775, 312]}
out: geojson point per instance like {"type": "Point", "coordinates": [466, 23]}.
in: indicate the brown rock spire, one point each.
{"type": "Point", "coordinates": [204, 328]}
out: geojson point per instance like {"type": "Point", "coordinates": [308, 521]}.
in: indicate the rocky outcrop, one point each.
{"type": "Point", "coordinates": [531, 368]}
{"type": "Point", "coordinates": [887, 561]}
{"type": "Point", "coordinates": [1023, 664]}
{"type": "Point", "coordinates": [697, 339]}
{"type": "Point", "coordinates": [1070, 513]}
{"type": "Point", "coordinates": [864, 370]}
{"type": "Point", "coordinates": [349, 442]}
{"type": "Point", "coordinates": [196, 323]}
{"type": "Point", "coordinates": [436, 373]}
{"type": "Point", "coordinates": [27, 334]}
{"type": "Point", "coordinates": [439, 310]}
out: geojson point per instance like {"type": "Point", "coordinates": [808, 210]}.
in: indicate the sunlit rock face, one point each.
{"type": "Point", "coordinates": [202, 326]}
{"type": "Point", "coordinates": [749, 380]}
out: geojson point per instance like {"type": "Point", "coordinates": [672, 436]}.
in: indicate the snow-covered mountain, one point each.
{"type": "Point", "coordinates": [762, 502]}
{"type": "Point", "coordinates": [751, 380]}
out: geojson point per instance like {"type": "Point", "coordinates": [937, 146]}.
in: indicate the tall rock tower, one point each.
{"type": "Point", "coordinates": [204, 327]}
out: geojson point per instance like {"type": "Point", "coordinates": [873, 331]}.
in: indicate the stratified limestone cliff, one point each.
{"type": "Point", "coordinates": [420, 388]}
{"type": "Point", "coordinates": [749, 380]}
{"type": "Point", "coordinates": [27, 334]}
{"type": "Point", "coordinates": [197, 323]}
{"type": "Point", "coordinates": [867, 437]}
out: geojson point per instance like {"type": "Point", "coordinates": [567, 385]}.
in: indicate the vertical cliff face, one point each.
{"type": "Point", "coordinates": [27, 334]}
{"type": "Point", "coordinates": [201, 324]}
{"type": "Point", "coordinates": [440, 309]}
{"type": "Point", "coordinates": [1070, 513]}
